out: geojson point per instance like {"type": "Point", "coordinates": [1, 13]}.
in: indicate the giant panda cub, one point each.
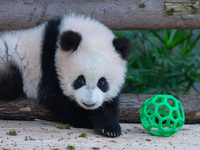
{"type": "Point", "coordinates": [74, 66]}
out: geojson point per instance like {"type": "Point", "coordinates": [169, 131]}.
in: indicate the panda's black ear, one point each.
{"type": "Point", "coordinates": [70, 40]}
{"type": "Point", "coordinates": [123, 46]}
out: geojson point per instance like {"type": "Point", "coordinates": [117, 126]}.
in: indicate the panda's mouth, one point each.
{"type": "Point", "coordinates": [88, 105]}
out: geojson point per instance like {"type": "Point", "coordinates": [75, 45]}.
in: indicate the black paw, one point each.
{"type": "Point", "coordinates": [109, 130]}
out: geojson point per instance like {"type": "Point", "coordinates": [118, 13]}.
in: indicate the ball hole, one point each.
{"type": "Point", "coordinates": [162, 115]}
{"type": "Point", "coordinates": [167, 110]}
{"type": "Point", "coordinates": [174, 114]}
{"type": "Point", "coordinates": [180, 110]}
{"type": "Point", "coordinates": [159, 100]}
{"type": "Point", "coordinates": [179, 124]}
{"type": "Point", "coordinates": [164, 122]}
{"type": "Point", "coordinates": [162, 111]}
{"type": "Point", "coordinates": [171, 102]}
{"type": "Point", "coordinates": [152, 107]}
{"type": "Point", "coordinates": [160, 108]}
{"type": "Point", "coordinates": [156, 120]}
{"type": "Point", "coordinates": [154, 129]}
{"type": "Point", "coordinates": [171, 123]}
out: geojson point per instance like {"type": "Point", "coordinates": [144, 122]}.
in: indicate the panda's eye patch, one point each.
{"type": "Point", "coordinates": [79, 82]}
{"type": "Point", "coordinates": [103, 84]}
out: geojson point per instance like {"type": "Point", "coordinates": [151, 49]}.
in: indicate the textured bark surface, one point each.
{"type": "Point", "coordinates": [131, 105]}
{"type": "Point", "coordinates": [117, 14]}
{"type": "Point", "coordinates": [24, 109]}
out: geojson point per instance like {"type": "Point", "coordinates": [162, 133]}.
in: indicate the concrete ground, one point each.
{"type": "Point", "coordinates": [43, 135]}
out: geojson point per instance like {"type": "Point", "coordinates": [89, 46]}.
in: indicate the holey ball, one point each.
{"type": "Point", "coordinates": [162, 115]}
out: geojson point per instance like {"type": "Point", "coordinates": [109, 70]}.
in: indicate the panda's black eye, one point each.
{"type": "Point", "coordinates": [103, 84]}
{"type": "Point", "coordinates": [79, 82]}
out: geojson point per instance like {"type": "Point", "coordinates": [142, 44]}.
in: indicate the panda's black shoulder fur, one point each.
{"type": "Point", "coordinates": [49, 81]}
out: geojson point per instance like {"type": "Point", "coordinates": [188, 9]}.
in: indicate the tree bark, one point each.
{"type": "Point", "coordinates": [116, 14]}
{"type": "Point", "coordinates": [24, 109]}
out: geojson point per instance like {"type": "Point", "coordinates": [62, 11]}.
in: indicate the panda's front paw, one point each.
{"type": "Point", "coordinates": [109, 130]}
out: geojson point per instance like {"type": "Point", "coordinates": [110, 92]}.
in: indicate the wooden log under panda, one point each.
{"type": "Point", "coordinates": [24, 109]}
{"type": "Point", "coordinates": [117, 14]}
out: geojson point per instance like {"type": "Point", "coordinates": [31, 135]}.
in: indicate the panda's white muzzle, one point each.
{"type": "Point", "coordinates": [89, 98]}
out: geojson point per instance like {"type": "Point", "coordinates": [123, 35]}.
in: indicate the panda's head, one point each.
{"type": "Point", "coordinates": [90, 61]}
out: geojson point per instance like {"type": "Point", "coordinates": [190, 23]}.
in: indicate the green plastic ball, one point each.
{"type": "Point", "coordinates": [162, 115]}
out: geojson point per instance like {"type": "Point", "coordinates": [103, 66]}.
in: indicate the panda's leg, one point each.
{"type": "Point", "coordinates": [66, 111]}
{"type": "Point", "coordinates": [105, 119]}
{"type": "Point", "coordinates": [11, 86]}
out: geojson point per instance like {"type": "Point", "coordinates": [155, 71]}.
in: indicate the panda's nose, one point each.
{"type": "Point", "coordinates": [88, 105]}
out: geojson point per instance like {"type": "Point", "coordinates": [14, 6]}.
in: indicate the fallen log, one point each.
{"type": "Point", "coordinates": [117, 14]}
{"type": "Point", "coordinates": [25, 109]}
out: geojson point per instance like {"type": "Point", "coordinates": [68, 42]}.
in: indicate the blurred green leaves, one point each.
{"type": "Point", "coordinates": [166, 61]}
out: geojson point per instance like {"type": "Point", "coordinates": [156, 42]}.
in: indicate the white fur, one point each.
{"type": "Point", "coordinates": [94, 58]}
{"type": "Point", "coordinates": [24, 49]}
{"type": "Point", "coordinates": [89, 96]}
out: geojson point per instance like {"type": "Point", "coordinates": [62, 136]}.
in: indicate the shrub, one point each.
{"type": "Point", "coordinates": [162, 62]}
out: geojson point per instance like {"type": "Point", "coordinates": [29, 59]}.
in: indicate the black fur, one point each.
{"type": "Point", "coordinates": [104, 120]}
{"type": "Point", "coordinates": [49, 86]}
{"type": "Point", "coordinates": [70, 40]}
{"type": "Point", "coordinates": [79, 82]}
{"type": "Point", "coordinates": [49, 82]}
{"type": "Point", "coordinates": [11, 85]}
{"type": "Point", "coordinates": [103, 84]}
{"type": "Point", "coordinates": [123, 47]}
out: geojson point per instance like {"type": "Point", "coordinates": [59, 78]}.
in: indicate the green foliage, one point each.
{"type": "Point", "coordinates": [162, 62]}
{"type": "Point", "coordinates": [32, 139]}
{"type": "Point", "coordinates": [70, 147]}
{"type": "Point", "coordinates": [63, 126]}
{"type": "Point", "coordinates": [83, 135]}
{"type": "Point", "coordinates": [12, 132]}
